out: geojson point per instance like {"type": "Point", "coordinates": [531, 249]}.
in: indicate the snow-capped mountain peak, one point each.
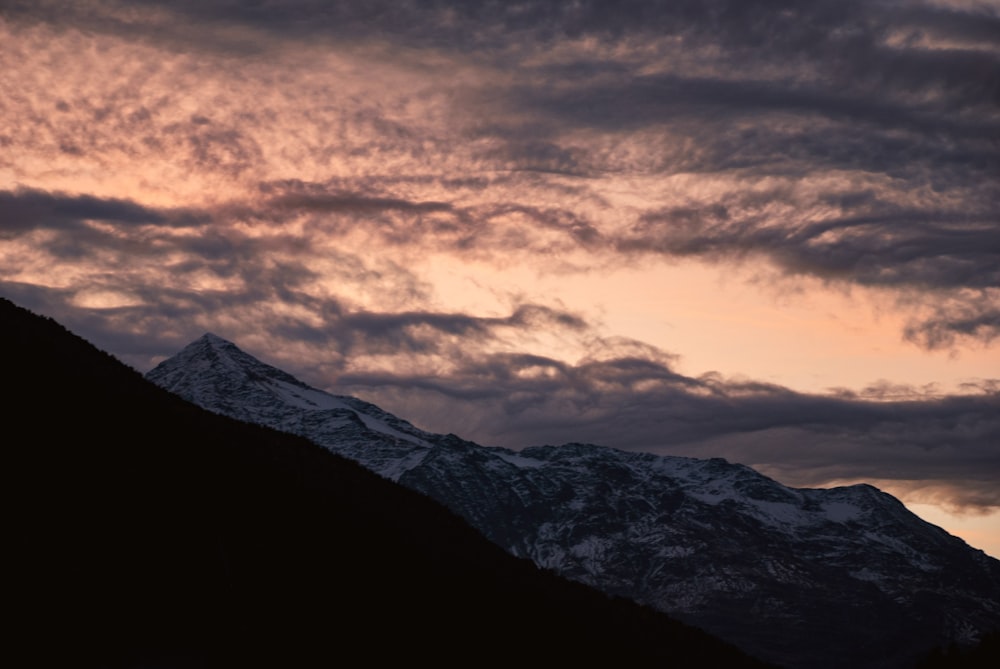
{"type": "Point", "coordinates": [801, 577]}
{"type": "Point", "coordinates": [217, 375]}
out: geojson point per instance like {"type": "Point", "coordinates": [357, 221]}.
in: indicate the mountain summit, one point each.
{"type": "Point", "coordinates": [801, 577]}
{"type": "Point", "coordinates": [216, 375]}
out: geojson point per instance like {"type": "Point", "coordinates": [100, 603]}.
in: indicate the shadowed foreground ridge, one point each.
{"type": "Point", "coordinates": [162, 535]}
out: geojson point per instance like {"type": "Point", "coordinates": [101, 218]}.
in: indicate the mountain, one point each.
{"type": "Point", "coordinates": [147, 532]}
{"type": "Point", "coordinates": [800, 577]}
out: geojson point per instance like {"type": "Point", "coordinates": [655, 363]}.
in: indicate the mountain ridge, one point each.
{"type": "Point", "coordinates": [712, 543]}
{"type": "Point", "coordinates": [154, 533]}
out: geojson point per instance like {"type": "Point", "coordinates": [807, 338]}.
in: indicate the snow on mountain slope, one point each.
{"type": "Point", "coordinates": [215, 374]}
{"type": "Point", "coordinates": [801, 577]}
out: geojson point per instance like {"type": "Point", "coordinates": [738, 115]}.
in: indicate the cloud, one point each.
{"type": "Point", "coordinates": [920, 444]}
{"type": "Point", "coordinates": [892, 247]}
{"type": "Point", "coordinates": [354, 203]}
{"type": "Point", "coordinates": [164, 275]}
{"type": "Point", "coordinates": [27, 208]}
{"type": "Point", "coordinates": [973, 318]}
{"type": "Point", "coordinates": [284, 174]}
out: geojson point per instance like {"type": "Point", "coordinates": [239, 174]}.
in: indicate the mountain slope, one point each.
{"type": "Point", "coordinates": [153, 533]}
{"type": "Point", "coordinates": [808, 578]}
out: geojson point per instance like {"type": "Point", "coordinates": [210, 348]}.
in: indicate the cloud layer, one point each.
{"type": "Point", "coordinates": [286, 174]}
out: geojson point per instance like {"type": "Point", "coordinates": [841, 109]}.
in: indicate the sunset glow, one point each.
{"type": "Point", "coordinates": [706, 229]}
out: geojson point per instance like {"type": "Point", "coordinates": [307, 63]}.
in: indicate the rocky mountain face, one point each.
{"type": "Point", "coordinates": [800, 577]}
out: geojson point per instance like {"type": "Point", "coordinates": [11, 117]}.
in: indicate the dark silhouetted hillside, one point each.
{"type": "Point", "coordinates": [157, 534]}
{"type": "Point", "coordinates": [984, 655]}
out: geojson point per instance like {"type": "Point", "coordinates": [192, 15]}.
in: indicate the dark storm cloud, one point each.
{"type": "Point", "coordinates": [27, 209]}
{"type": "Point", "coordinates": [364, 332]}
{"type": "Point", "coordinates": [645, 100]}
{"type": "Point", "coordinates": [750, 23]}
{"type": "Point", "coordinates": [500, 227]}
{"type": "Point", "coordinates": [164, 280]}
{"type": "Point", "coordinates": [889, 246]}
{"type": "Point", "coordinates": [82, 228]}
{"type": "Point", "coordinates": [977, 321]}
{"type": "Point", "coordinates": [953, 255]}
{"type": "Point", "coordinates": [661, 406]}
{"type": "Point", "coordinates": [81, 225]}
{"type": "Point", "coordinates": [765, 29]}
{"type": "Point", "coordinates": [921, 442]}
{"type": "Point", "coordinates": [972, 25]}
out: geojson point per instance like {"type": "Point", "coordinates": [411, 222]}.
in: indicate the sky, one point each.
{"type": "Point", "coordinates": [765, 230]}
